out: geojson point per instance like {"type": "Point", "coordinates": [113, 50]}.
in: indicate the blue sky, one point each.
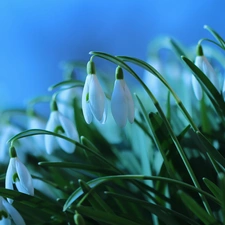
{"type": "Point", "coordinates": [37, 35]}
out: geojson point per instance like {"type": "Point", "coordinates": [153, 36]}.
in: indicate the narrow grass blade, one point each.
{"type": "Point", "coordinates": [94, 199]}
{"type": "Point", "coordinates": [77, 166]}
{"type": "Point", "coordinates": [99, 181]}
{"type": "Point", "coordinates": [216, 35]}
{"type": "Point", "coordinates": [105, 217]}
{"type": "Point", "coordinates": [192, 205]}
{"type": "Point", "coordinates": [213, 188]}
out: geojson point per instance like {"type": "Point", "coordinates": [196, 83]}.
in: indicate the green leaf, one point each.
{"type": "Point", "coordinates": [208, 147]}
{"type": "Point", "coordinates": [213, 188]}
{"type": "Point", "coordinates": [78, 166]}
{"type": "Point", "coordinates": [216, 35]}
{"type": "Point", "coordinates": [102, 216]}
{"type": "Point", "coordinates": [67, 84]}
{"type": "Point", "coordinates": [190, 203]}
{"type": "Point", "coordinates": [99, 181]}
{"type": "Point", "coordinates": [33, 202]}
{"type": "Point", "coordinates": [177, 48]}
{"type": "Point", "coordinates": [221, 178]}
{"type": "Point", "coordinates": [164, 214]}
{"type": "Point", "coordinates": [32, 132]}
{"type": "Point", "coordinates": [93, 198]}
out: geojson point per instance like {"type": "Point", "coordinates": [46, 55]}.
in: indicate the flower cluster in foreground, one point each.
{"type": "Point", "coordinates": [66, 171]}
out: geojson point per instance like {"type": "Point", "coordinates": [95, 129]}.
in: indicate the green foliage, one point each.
{"type": "Point", "coordinates": [167, 168]}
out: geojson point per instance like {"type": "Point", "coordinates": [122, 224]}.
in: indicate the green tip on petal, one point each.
{"type": "Point", "coordinates": [3, 214]}
{"type": "Point", "coordinates": [59, 129]}
{"type": "Point", "coordinates": [12, 152]}
{"type": "Point", "coordinates": [199, 51]}
{"type": "Point", "coordinates": [90, 67]}
{"type": "Point", "coordinates": [119, 73]}
{"type": "Point", "coordinates": [15, 177]}
{"type": "Point", "coordinates": [54, 106]}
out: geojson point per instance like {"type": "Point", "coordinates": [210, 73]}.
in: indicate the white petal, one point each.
{"type": "Point", "coordinates": [119, 106]}
{"type": "Point", "coordinates": [103, 120]}
{"type": "Point", "coordinates": [223, 91]}
{"type": "Point", "coordinates": [53, 121]}
{"type": "Point", "coordinates": [96, 98]}
{"type": "Point", "coordinates": [17, 218]}
{"type": "Point", "coordinates": [25, 178]}
{"type": "Point", "coordinates": [37, 123]}
{"type": "Point", "coordinates": [130, 103]}
{"type": "Point", "coordinates": [197, 88]}
{"type": "Point", "coordinates": [67, 95]}
{"type": "Point", "coordinates": [70, 132]}
{"type": "Point", "coordinates": [199, 62]}
{"type": "Point", "coordinates": [211, 73]}
{"type": "Point", "coordinates": [50, 140]}
{"type": "Point", "coordinates": [85, 104]}
{"type": "Point", "coordinates": [5, 221]}
{"type": "Point", "coordinates": [11, 170]}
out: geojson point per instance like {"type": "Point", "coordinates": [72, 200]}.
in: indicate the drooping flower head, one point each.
{"type": "Point", "coordinates": [93, 97]}
{"type": "Point", "coordinates": [62, 125]}
{"type": "Point", "coordinates": [203, 64]}
{"type": "Point", "coordinates": [122, 105]}
{"type": "Point", "coordinates": [8, 213]}
{"type": "Point", "coordinates": [18, 174]}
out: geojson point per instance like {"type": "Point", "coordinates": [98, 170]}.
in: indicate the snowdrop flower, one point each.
{"type": "Point", "coordinates": [8, 213]}
{"type": "Point", "coordinates": [122, 104]}
{"type": "Point", "coordinates": [8, 131]}
{"type": "Point", "coordinates": [93, 97]}
{"type": "Point", "coordinates": [18, 174]}
{"type": "Point", "coordinates": [223, 91]}
{"type": "Point", "coordinates": [60, 124]}
{"type": "Point", "coordinates": [65, 101]}
{"type": "Point", "coordinates": [203, 64]}
{"type": "Point", "coordinates": [36, 122]}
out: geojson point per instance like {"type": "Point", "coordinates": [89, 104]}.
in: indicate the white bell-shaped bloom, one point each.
{"type": "Point", "coordinates": [62, 125]}
{"type": "Point", "coordinates": [9, 213]}
{"type": "Point", "coordinates": [223, 91]}
{"type": "Point", "coordinates": [65, 101]}
{"type": "Point", "coordinates": [18, 174]}
{"type": "Point", "coordinates": [35, 122]}
{"type": "Point", "coordinates": [203, 64]}
{"type": "Point", "coordinates": [122, 105]}
{"type": "Point", "coordinates": [197, 88]}
{"type": "Point", "coordinates": [93, 97]}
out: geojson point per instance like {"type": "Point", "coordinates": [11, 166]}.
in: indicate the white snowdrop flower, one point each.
{"type": "Point", "coordinates": [203, 64]}
{"type": "Point", "coordinates": [197, 88]}
{"type": "Point", "coordinates": [62, 125]}
{"type": "Point", "coordinates": [9, 130]}
{"type": "Point", "coordinates": [122, 105]}
{"type": "Point", "coordinates": [93, 97]}
{"type": "Point", "coordinates": [65, 101]}
{"type": "Point", "coordinates": [153, 82]}
{"type": "Point", "coordinates": [35, 122]}
{"type": "Point", "coordinates": [223, 91]}
{"type": "Point", "coordinates": [9, 213]}
{"type": "Point", "coordinates": [18, 174]}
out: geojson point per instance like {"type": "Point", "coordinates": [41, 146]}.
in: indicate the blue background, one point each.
{"type": "Point", "coordinates": [35, 36]}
